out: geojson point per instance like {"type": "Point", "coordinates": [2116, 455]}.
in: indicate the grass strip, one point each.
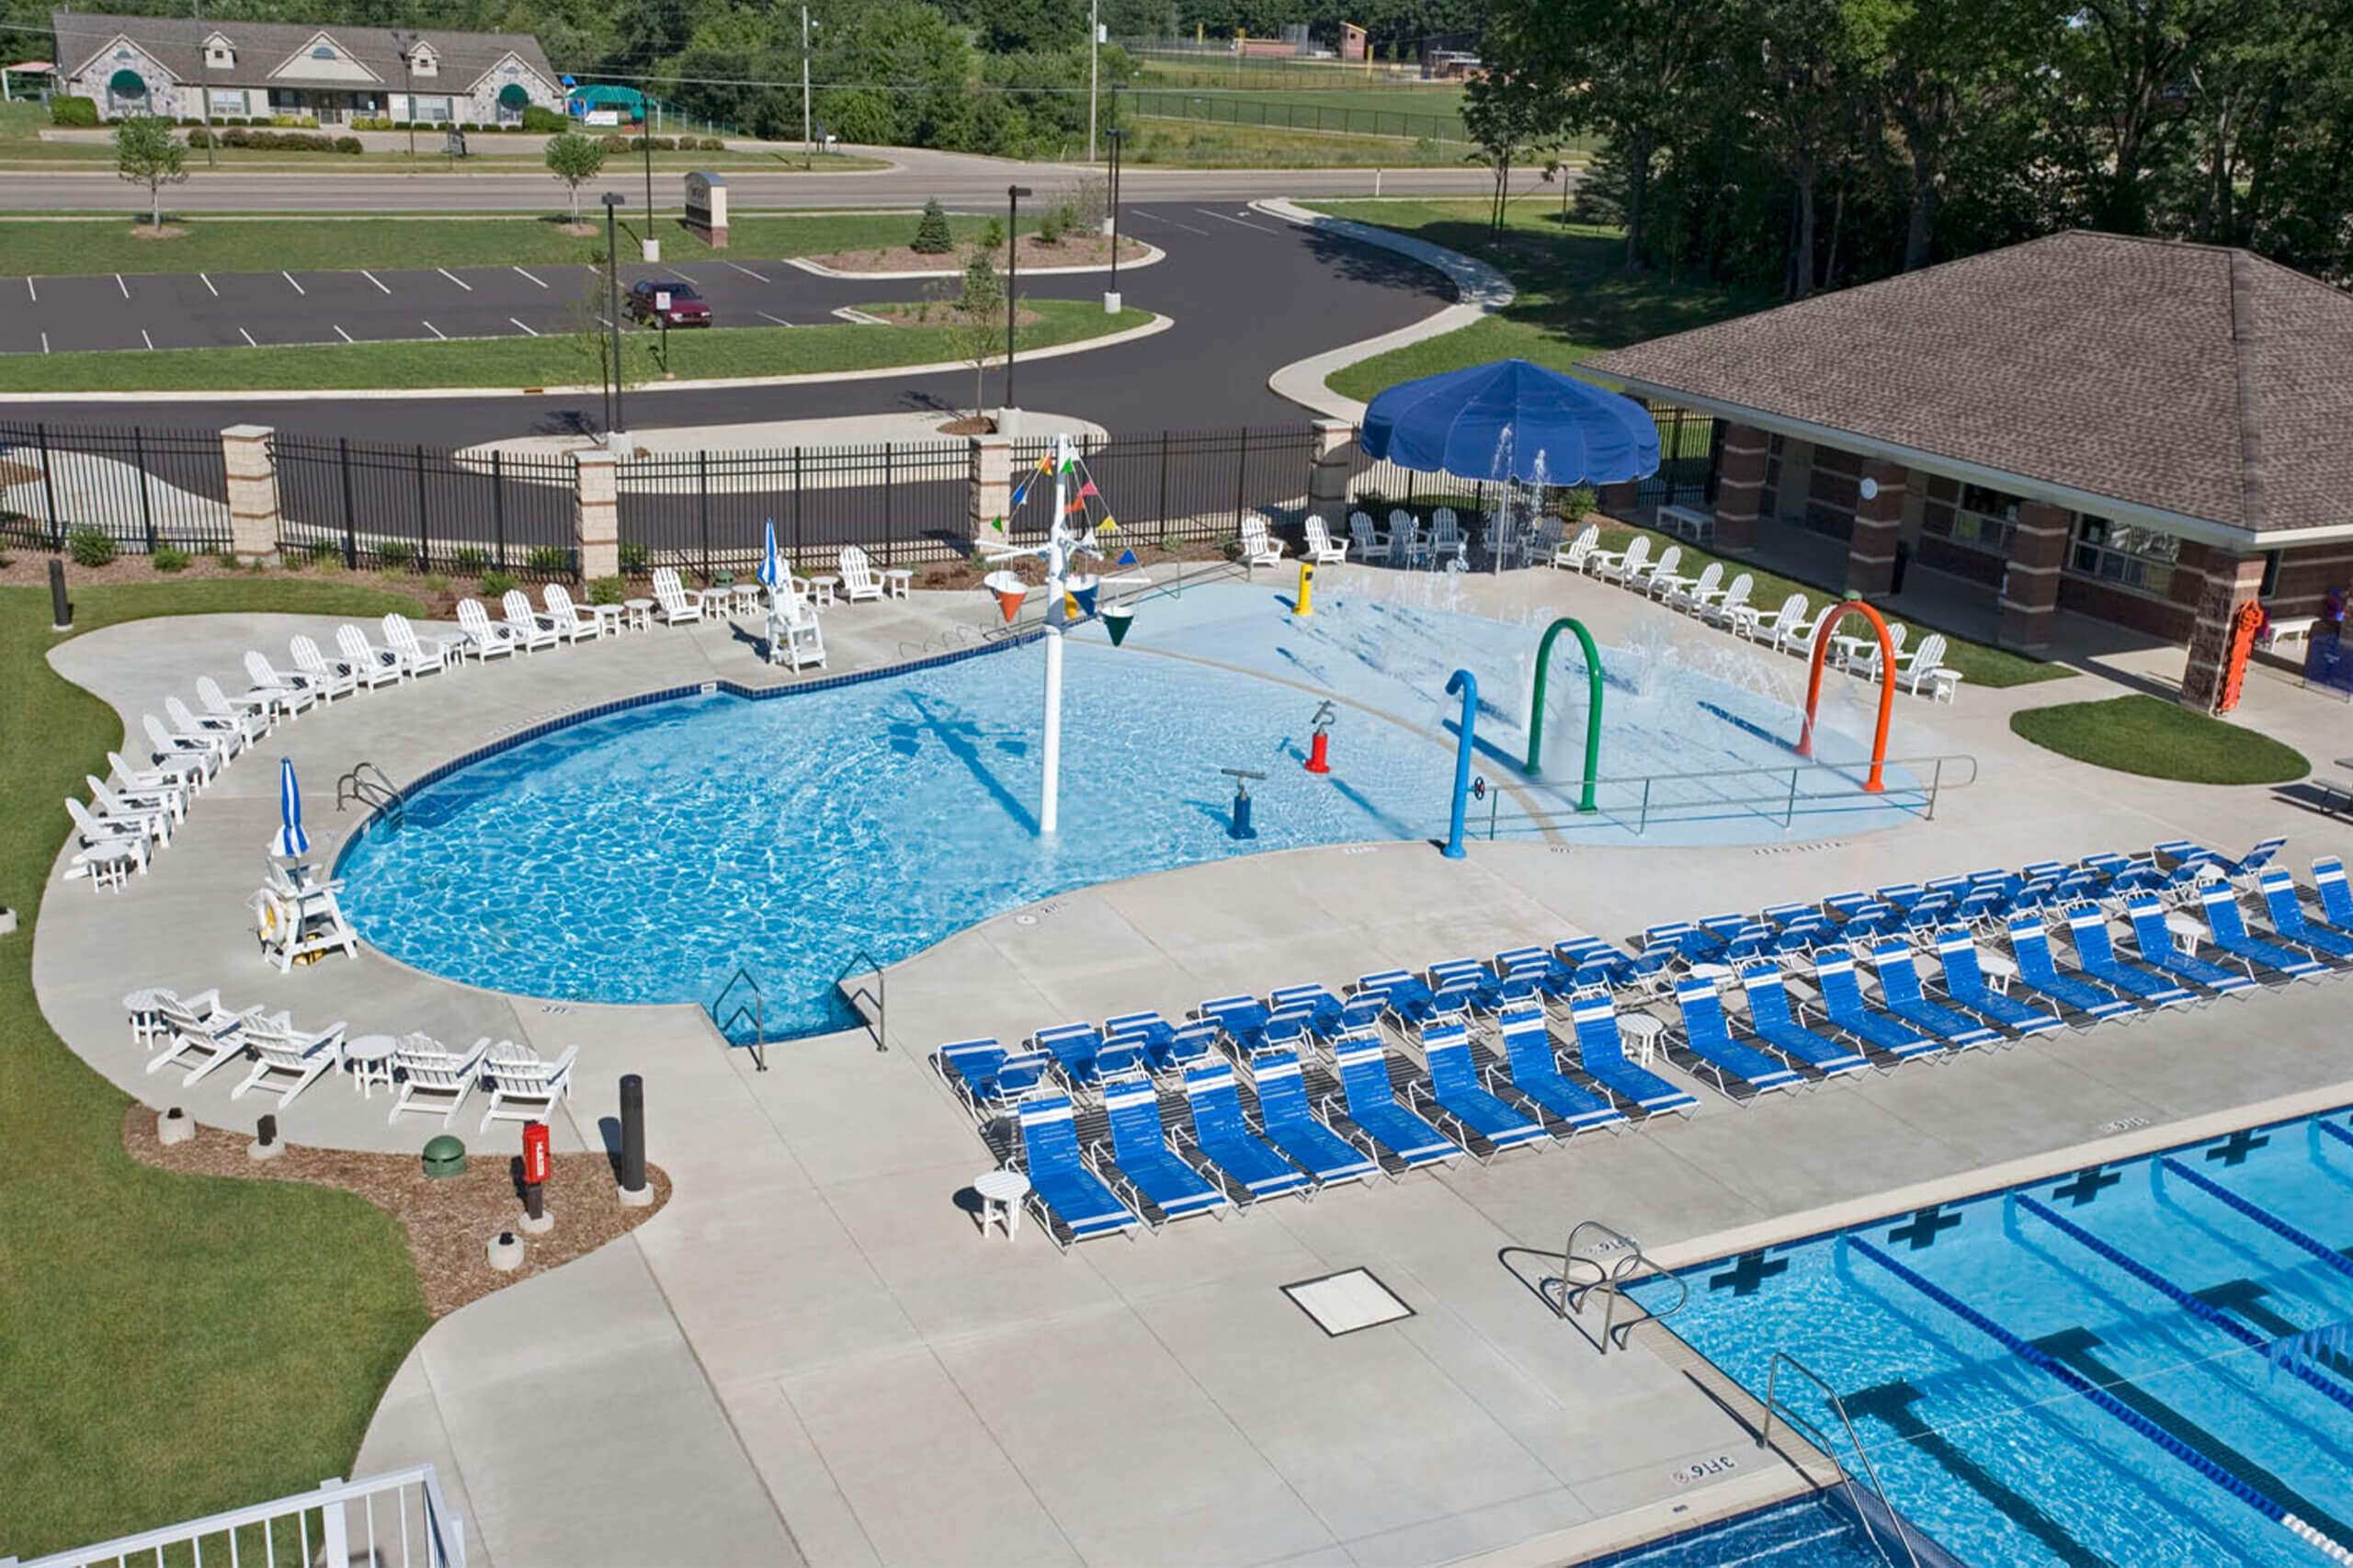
{"type": "Point", "coordinates": [551, 361]}
{"type": "Point", "coordinates": [174, 1345]}
{"type": "Point", "coordinates": [2157, 739]}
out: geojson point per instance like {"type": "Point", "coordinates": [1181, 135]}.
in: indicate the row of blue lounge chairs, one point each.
{"type": "Point", "coordinates": [1326, 1089]}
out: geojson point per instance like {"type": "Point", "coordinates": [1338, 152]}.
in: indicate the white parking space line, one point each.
{"type": "Point", "coordinates": [676, 273]}
{"type": "Point", "coordinates": [437, 332]}
{"type": "Point", "coordinates": [373, 278]}
{"type": "Point", "coordinates": [121, 285]}
{"type": "Point", "coordinates": [527, 330]}
{"type": "Point", "coordinates": [44, 343]}
{"type": "Point", "coordinates": [1170, 221]}
{"type": "Point", "coordinates": [339, 332]}
{"type": "Point", "coordinates": [33, 291]}
{"type": "Point", "coordinates": [747, 272]}
{"type": "Point", "coordinates": [298, 287]}
{"type": "Point", "coordinates": [542, 284]}
{"type": "Point", "coordinates": [248, 337]}
{"type": "Point", "coordinates": [455, 278]}
{"type": "Point", "coordinates": [208, 283]}
{"type": "Point", "coordinates": [145, 339]}
{"type": "Point", "coordinates": [1222, 218]}
{"type": "Point", "coordinates": [779, 320]}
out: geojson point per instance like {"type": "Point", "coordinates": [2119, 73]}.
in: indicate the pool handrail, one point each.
{"type": "Point", "coordinates": [1784, 803]}
{"type": "Point", "coordinates": [1814, 1436]}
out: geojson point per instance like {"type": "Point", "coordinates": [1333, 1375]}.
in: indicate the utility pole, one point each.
{"type": "Point", "coordinates": [1013, 195]}
{"type": "Point", "coordinates": [1094, 31]}
{"type": "Point", "coordinates": [408, 88]}
{"type": "Point", "coordinates": [613, 201]}
{"type": "Point", "coordinates": [653, 248]}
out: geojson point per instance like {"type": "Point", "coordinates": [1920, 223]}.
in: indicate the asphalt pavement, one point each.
{"type": "Point", "coordinates": [1249, 293]}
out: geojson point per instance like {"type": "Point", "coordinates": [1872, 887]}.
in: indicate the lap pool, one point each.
{"type": "Point", "coordinates": [644, 854]}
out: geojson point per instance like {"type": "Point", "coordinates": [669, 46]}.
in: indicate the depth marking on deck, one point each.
{"type": "Point", "coordinates": [248, 337]}
{"type": "Point", "coordinates": [373, 278]}
{"type": "Point", "coordinates": [437, 332]}
{"type": "Point", "coordinates": [121, 285]}
{"type": "Point", "coordinates": [208, 283]}
{"type": "Point", "coordinates": [298, 287]}
{"type": "Point", "coordinates": [455, 278]}
{"type": "Point", "coordinates": [339, 332]}
{"type": "Point", "coordinates": [526, 330]}
{"type": "Point", "coordinates": [542, 283]}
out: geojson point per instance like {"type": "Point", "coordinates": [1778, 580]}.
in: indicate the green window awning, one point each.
{"type": "Point", "coordinates": [127, 84]}
{"type": "Point", "coordinates": [513, 96]}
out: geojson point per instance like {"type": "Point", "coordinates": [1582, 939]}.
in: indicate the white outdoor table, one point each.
{"type": "Point", "coordinates": [2187, 931]}
{"type": "Point", "coordinates": [897, 581]}
{"type": "Point", "coordinates": [1850, 648]}
{"type": "Point", "coordinates": [823, 588]}
{"type": "Point", "coordinates": [1998, 971]}
{"type": "Point", "coordinates": [609, 619]}
{"type": "Point", "coordinates": [369, 1057]}
{"type": "Point", "coordinates": [744, 598]}
{"type": "Point", "coordinates": [145, 1007]}
{"type": "Point", "coordinates": [639, 614]}
{"type": "Point", "coordinates": [1644, 1029]}
{"type": "Point", "coordinates": [1001, 1194]}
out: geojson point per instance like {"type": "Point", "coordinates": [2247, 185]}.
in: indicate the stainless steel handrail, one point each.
{"type": "Point", "coordinates": [1785, 803]}
{"type": "Point", "coordinates": [1813, 1435]}
{"type": "Point", "coordinates": [755, 1005]}
{"type": "Point", "coordinates": [860, 962]}
{"type": "Point", "coordinates": [1611, 1279]}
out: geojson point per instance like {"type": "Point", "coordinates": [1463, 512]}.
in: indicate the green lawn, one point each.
{"type": "Point", "coordinates": [1184, 144]}
{"type": "Point", "coordinates": [1576, 298]}
{"type": "Point", "coordinates": [2158, 739]}
{"type": "Point", "coordinates": [552, 360]}
{"type": "Point", "coordinates": [46, 248]}
{"type": "Point", "coordinates": [174, 1345]}
{"type": "Point", "coordinates": [1404, 112]}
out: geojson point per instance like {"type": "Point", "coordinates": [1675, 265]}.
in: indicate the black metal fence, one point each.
{"type": "Point", "coordinates": [1241, 109]}
{"type": "Point", "coordinates": [906, 503]}
{"type": "Point", "coordinates": [1175, 488]}
{"type": "Point", "coordinates": [140, 487]}
{"type": "Point", "coordinates": [363, 501]}
{"type": "Point", "coordinates": [1686, 474]}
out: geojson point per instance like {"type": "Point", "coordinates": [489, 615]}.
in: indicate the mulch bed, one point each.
{"type": "Point", "coordinates": [449, 1220]}
{"type": "Point", "coordinates": [1073, 250]}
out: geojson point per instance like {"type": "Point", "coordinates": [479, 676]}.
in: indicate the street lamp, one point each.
{"type": "Point", "coordinates": [613, 201]}
{"type": "Point", "coordinates": [1111, 295]}
{"type": "Point", "coordinates": [1013, 195]}
{"type": "Point", "coordinates": [653, 248]}
{"type": "Point", "coordinates": [408, 87]}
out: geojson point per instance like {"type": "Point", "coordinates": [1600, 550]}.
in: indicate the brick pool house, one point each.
{"type": "Point", "coordinates": [2144, 432]}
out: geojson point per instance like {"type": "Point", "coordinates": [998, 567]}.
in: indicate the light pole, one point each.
{"type": "Point", "coordinates": [807, 146]}
{"type": "Point", "coordinates": [408, 87]}
{"type": "Point", "coordinates": [1013, 195]}
{"type": "Point", "coordinates": [652, 248]}
{"type": "Point", "coordinates": [1094, 32]}
{"type": "Point", "coordinates": [613, 201]}
{"type": "Point", "coordinates": [1111, 295]}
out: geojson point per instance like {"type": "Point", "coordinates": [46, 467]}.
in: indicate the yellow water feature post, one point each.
{"type": "Point", "coordinates": [1305, 605]}
{"type": "Point", "coordinates": [1593, 702]}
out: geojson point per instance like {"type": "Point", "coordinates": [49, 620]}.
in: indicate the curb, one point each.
{"type": "Point", "coordinates": [1479, 291]}
{"type": "Point", "coordinates": [1158, 325]}
{"type": "Point", "coordinates": [1152, 254]}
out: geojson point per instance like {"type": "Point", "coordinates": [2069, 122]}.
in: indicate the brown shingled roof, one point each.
{"type": "Point", "coordinates": [2189, 379]}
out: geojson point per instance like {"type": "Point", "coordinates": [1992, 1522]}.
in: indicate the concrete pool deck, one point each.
{"type": "Point", "coordinates": [810, 1355]}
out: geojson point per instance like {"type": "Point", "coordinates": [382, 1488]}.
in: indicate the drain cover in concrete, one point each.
{"type": "Point", "coordinates": [1345, 1302]}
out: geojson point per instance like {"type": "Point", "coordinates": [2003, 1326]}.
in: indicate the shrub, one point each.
{"type": "Point", "coordinates": [1578, 502]}
{"type": "Point", "coordinates": [713, 144]}
{"type": "Point", "coordinates": [324, 554]}
{"type": "Point", "coordinates": [547, 560]}
{"type": "Point", "coordinates": [542, 119]}
{"type": "Point", "coordinates": [368, 122]}
{"type": "Point", "coordinates": [395, 557]}
{"type": "Point", "coordinates": [350, 145]}
{"type": "Point", "coordinates": [933, 236]}
{"type": "Point", "coordinates": [992, 235]}
{"type": "Point", "coordinates": [1050, 229]}
{"type": "Point", "coordinates": [65, 111]}
{"type": "Point", "coordinates": [90, 545]}
{"type": "Point", "coordinates": [614, 144]}
{"type": "Point", "coordinates": [434, 582]}
{"type": "Point", "coordinates": [168, 558]}
{"type": "Point", "coordinates": [225, 558]}
{"type": "Point", "coordinates": [635, 558]}
{"type": "Point", "coordinates": [607, 591]}
{"type": "Point", "coordinates": [469, 561]}
{"type": "Point", "coordinates": [495, 584]}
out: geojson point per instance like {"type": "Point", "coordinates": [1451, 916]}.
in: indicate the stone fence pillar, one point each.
{"type": "Point", "coordinates": [2232, 582]}
{"type": "Point", "coordinates": [1330, 466]}
{"type": "Point", "coordinates": [989, 489]}
{"type": "Point", "coordinates": [596, 516]}
{"type": "Point", "coordinates": [252, 491]}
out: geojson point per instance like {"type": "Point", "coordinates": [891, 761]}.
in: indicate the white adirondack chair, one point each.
{"type": "Point", "coordinates": [1866, 664]}
{"type": "Point", "coordinates": [485, 637]}
{"type": "Point", "coordinates": [1693, 596]}
{"type": "Point", "coordinates": [1750, 621]}
{"type": "Point", "coordinates": [198, 755]}
{"type": "Point", "coordinates": [1924, 665]}
{"type": "Point", "coordinates": [523, 1085]}
{"type": "Point", "coordinates": [252, 711]}
{"type": "Point", "coordinates": [860, 580]}
{"type": "Point", "coordinates": [1573, 555]}
{"type": "Point", "coordinates": [420, 655]}
{"type": "Point", "coordinates": [1446, 536]}
{"type": "Point", "coordinates": [291, 693]}
{"type": "Point", "coordinates": [432, 1077]}
{"type": "Point", "coordinates": [287, 1060]}
{"type": "Point", "coordinates": [1258, 548]}
{"type": "Point", "coordinates": [1365, 537]}
{"type": "Point", "coordinates": [1718, 611]}
{"type": "Point", "coordinates": [225, 733]}
{"type": "Point", "coordinates": [330, 678]}
{"type": "Point", "coordinates": [671, 600]}
{"type": "Point", "coordinates": [1625, 565]}
{"type": "Point", "coordinates": [1663, 574]}
{"type": "Point", "coordinates": [198, 1034]}
{"type": "Point", "coordinates": [532, 629]}
{"type": "Point", "coordinates": [1320, 548]}
{"type": "Point", "coordinates": [565, 617]}
{"type": "Point", "coordinates": [372, 665]}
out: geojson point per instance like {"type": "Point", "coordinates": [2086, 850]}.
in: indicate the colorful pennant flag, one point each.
{"type": "Point", "coordinates": [1022, 493]}
{"type": "Point", "coordinates": [999, 524]}
{"type": "Point", "coordinates": [1045, 465]}
{"type": "Point", "coordinates": [1076, 505]}
{"type": "Point", "coordinates": [1088, 489]}
{"type": "Point", "coordinates": [1106, 525]}
{"type": "Point", "coordinates": [1128, 558]}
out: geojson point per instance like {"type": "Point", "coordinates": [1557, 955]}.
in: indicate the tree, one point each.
{"type": "Point", "coordinates": [1511, 113]}
{"type": "Point", "coordinates": [145, 153]}
{"type": "Point", "coordinates": [932, 236]}
{"type": "Point", "coordinates": [976, 318]}
{"type": "Point", "coordinates": [575, 159]}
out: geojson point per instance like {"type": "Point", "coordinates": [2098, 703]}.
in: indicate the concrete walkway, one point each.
{"type": "Point", "coordinates": [811, 1355]}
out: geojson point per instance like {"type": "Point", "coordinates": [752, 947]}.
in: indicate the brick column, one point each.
{"type": "Point", "coordinates": [252, 491]}
{"type": "Point", "coordinates": [1620, 499]}
{"type": "Point", "coordinates": [2231, 582]}
{"type": "Point", "coordinates": [1329, 469]}
{"type": "Point", "coordinates": [1878, 518]}
{"type": "Point", "coordinates": [1740, 488]}
{"type": "Point", "coordinates": [596, 516]}
{"type": "Point", "coordinates": [988, 472]}
{"type": "Point", "coordinates": [2030, 598]}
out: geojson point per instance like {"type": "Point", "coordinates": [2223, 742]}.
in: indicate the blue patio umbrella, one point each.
{"type": "Point", "coordinates": [771, 573]}
{"type": "Point", "coordinates": [1508, 420]}
{"type": "Point", "coordinates": [291, 840]}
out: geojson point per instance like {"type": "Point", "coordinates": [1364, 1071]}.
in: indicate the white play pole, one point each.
{"type": "Point", "coordinates": [1057, 564]}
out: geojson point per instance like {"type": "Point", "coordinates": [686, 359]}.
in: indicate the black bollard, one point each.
{"type": "Point", "coordinates": [535, 1201]}
{"type": "Point", "coordinates": [633, 1132]}
{"type": "Point", "coordinates": [61, 609]}
{"type": "Point", "coordinates": [265, 1132]}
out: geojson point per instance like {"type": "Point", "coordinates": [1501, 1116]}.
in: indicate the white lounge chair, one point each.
{"type": "Point", "coordinates": [1320, 548]}
{"type": "Point", "coordinates": [1692, 596]}
{"type": "Point", "coordinates": [1866, 663]}
{"type": "Point", "coordinates": [860, 580]}
{"type": "Point", "coordinates": [486, 638]}
{"type": "Point", "coordinates": [204, 752]}
{"type": "Point", "coordinates": [1578, 551]}
{"type": "Point", "coordinates": [569, 623]}
{"type": "Point", "coordinates": [419, 655]}
{"type": "Point", "coordinates": [1799, 638]}
{"type": "Point", "coordinates": [1662, 574]}
{"type": "Point", "coordinates": [1720, 610]}
{"type": "Point", "coordinates": [171, 785]}
{"type": "Point", "coordinates": [523, 1087]}
{"type": "Point", "coordinates": [1751, 622]}
{"type": "Point", "coordinates": [291, 693]}
{"type": "Point", "coordinates": [159, 810]}
{"type": "Point", "coordinates": [793, 635]}
{"type": "Point", "coordinates": [1540, 543]}
{"type": "Point", "coordinates": [372, 665]}
{"type": "Point", "coordinates": [136, 834]}
{"type": "Point", "coordinates": [227, 733]}
{"type": "Point", "coordinates": [287, 1060]}
{"type": "Point", "coordinates": [328, 677]}
{"type": "Point", "coordinates": [1409, 541]}
{"type": "Point", "coordinates": [532, 629]}
{"type": "Point", "coordinates": [1365, 537]}
{"type": "Point", "coordinates": [252, 711]}
{"type": "Point", "coordinates": [1621, 565]}
{"type": "Point", "coordinates": [1924, 666]}
{"type": "Point", "coordinates": [672, 601]}
{"type": "Point", "coordinates": [198, 1034]}
{"type": "Point", "coordinates": [1446, 536]}
{"type": "Point", "coordinates": [1258, 548]}
{"type": "Point", "coordinates": [432, 1077]}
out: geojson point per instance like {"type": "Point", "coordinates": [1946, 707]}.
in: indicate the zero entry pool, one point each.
{"type": "Point", "coordinates": [642, 854]}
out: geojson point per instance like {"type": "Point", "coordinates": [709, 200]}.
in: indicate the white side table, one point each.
{"type": "Point", "coordinates": [2187, 931]}
{"type": "Point", "coordinates": [823, 587]}
{"type": "Point", "coordinates": [640, 614]}
{"type": "Point", "coordinates": [610, 618]}
{"type": "Point", "coordinates": [1642, 1031]}
{"type": "Point", "coordinates": [107, 865]}
{"type": "Point", "coordinates": [369, 1057]}
{"type": "Point", "coordinates": [744, 598]}
{"type": "Point", "coordinates": [1998, 971]}
{"type": "Point", "coordinates": [145, 1007]}
{"type": "Point", "coordinates": [1001, 1194]}
{"type": "Point", "coordinates": [896, 581]}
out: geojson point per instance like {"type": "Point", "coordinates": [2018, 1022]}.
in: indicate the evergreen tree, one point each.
{"type": "Point", "coordinates": [932, 236]}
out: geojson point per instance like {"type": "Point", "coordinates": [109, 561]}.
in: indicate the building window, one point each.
{"type": "Point", "coordinates": [1980, 520]}
{"type": "Point", "coordinates": [323, 51]}
{"type": "Point", "coordinates": [433, 109]}
{"type": "Point", "coordinates": [423, 63]}
{"type": "Point", "coordinates": [2125, 554]}
{"type": "Point", "coordinates": [228, 102]}
{"type": "Point", "coordinates": [2270, 575]}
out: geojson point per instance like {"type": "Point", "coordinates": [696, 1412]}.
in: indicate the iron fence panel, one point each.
{"type": "Point", "coordinates": [374, 504]}
{"type": "Point", "coordinates": [141, 486]}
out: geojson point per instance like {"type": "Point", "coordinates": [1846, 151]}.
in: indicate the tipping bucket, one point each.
{"type": "Point", "coordinates": [1009, 590]}
{"type": "Point", "coordinates": [1116, 618]}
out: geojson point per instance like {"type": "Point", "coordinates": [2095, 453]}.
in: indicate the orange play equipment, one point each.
{"type": "Point", "coordinates": [1821, 635]}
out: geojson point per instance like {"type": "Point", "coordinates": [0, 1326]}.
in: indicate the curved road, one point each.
{"type": "Point", "coordinates": [1249, 293]}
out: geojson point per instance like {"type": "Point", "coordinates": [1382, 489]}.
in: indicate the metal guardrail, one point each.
{"type": "Point", "coordinates": [1611, 1277]}
{"type": "Point", "coordinates": [754, 1006]}
{"type": "Point", "coordinates": [341, 1522]}
{"type": "Point", "coordinates": [367, 784]}
{"type": "Point", "coordinates": [1638, 801]}
{"type": "Point", "coordinates": [863, 963]}
{"type": "Point", "coordinates": [1813, 1435]}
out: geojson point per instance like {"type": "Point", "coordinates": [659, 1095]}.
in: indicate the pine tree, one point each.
{"type": "Point", "coordinates": [932, 237]}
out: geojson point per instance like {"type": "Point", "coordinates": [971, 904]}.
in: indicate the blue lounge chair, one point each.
{"type": "Point", "coordinates": [1075, 1047]}
{"type": "Point", "coordinates": [2230, 935]}
{"type": "Point", "coordinates": [1900, 989]}
{"type": "Point", "coordinates": [1705, 1034]}
{"type": "Point", "coordinates": [1603, 1058]}
{"type": "Point", "coordinates": [2289, 919]}
{"type": "Point", "coordinates": [1328, 1018]}
{"type": "Point", "coordinates": [1168, 1047]}
{"type": "Point", "coordinates": [1151, 1173]}
{"type": "Point", "coordinates": [1373, 1105]}
{"type": "Point", "coordinates": [2250, 863]}
{"type": "Point", "coordinates": [1489, 989]}
{"type": "Point", "coordinates": [1965, 983]}
{"type": "Point", "coordinates": [2039, 971]}
{"type": "Point", "coordinates": [1842, 998]}
{"type": "Point", "coordinates": [1770, 1015]}
{"type": "Point", "coordinates": [1223, 1135]}
{"type": "Point", "coordinates": [1292, 1127]}
{"type": "Point", "coordinates": [2335, 898]}
{"type": "Point", "coordinates": [1256, 1027]}
{"type": "Point", "coordinates": [1454, 1089]}
{"type": "Point", "coordinates": [988, 1078]}
{"type": "Point", "coordinates": [2096, 956]}
{"type": "Point", "coordinates": [1059, 1179]}
{"type": "Point", "coordinates": [2147, 919]}
{"type": "Point", "coordinates": [1535, 1071]}
{"type": "Point", "coordinates": [1413, 998]}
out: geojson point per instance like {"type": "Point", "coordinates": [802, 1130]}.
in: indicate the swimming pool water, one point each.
{"type": "Point", "coordinates": [1804, 1534]}
{"type": "Point", "coordinates": [643, 855]}
{"type": "Point", "coordinates": [2002, 1461]}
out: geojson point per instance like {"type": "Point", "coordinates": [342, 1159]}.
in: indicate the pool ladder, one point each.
{"type": "Point", "coordinates": [1610, 1274]}
{"type": "Point", "coordinates": [752, 1005]}
{"type": "Point", "coordinates": [367, 784]}
{"type": "Point", "coordinates": [1888, 1516]}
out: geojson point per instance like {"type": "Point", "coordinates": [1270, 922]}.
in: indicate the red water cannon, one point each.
{"type": "Point", "coordinates": [1319, 745]}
